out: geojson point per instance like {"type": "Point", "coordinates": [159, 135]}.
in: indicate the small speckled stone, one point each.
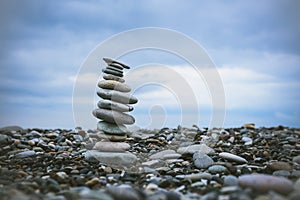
{"type": "Point", "coordinates": [249, 126]}
{"type": "Point", "coordinates": [111, 105]}
{"type": "Point", "coordinates": [279, 165]}
{"type": "Point", "coordinates": [217, 169]}
{"type": "Point", "coordinates": [92, 182]}
{"type": "Point", "coordinates": [114, 85]}
{"type": "Point", "coordinates": [114, 78]}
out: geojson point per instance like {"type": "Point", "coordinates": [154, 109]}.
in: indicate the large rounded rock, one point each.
{"type": "Point", "coordinates": [107, 104]}
{"type": "Point", "coordinates": [265, 183]}
{"type": "Point", "coordinates": [117, 96]}
{"type": "Point", "coordinates": [112, 129]}
{"type": "Point", "coordinates": [114, 85]}
{"type": "Point", "coordinates": [113, 116]}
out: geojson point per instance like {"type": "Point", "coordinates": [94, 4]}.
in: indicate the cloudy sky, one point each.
{"type": "Point", "coordinates": [254, 46]}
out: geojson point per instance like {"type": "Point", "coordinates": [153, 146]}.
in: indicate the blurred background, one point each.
{"type": "Point", "coordinates": [254, 45]}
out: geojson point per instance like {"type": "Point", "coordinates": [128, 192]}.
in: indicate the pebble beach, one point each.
{"type": "Point", "coordinates": [247, 162]}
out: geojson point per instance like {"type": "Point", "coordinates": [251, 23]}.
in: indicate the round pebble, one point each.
{"type": "Point", "coordinates": [202, 161]}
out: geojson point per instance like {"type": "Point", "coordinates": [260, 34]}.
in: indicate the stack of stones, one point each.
{"type": "Point", "coordinates": [112, 113]}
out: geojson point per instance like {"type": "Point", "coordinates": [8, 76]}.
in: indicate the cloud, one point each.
{"type": "Point", "coordinates": [255, 46]}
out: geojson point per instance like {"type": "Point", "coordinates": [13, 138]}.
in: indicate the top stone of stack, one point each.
{"type": "Point", "coordinates": [114, 63]}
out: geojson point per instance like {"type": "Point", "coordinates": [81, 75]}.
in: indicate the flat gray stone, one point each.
{"type": "Point", "coordinates": [112, 129]}
{"type": "Point", "coordinates": [202, 148]}
{"type": "Point", "coordinates": [116, 66]}
{"type": "Point", "coordinates": [198, 176]}
{"type": "Point", "coordinates": [232, 157]}
{"type": "Point", "coordinates": [114, 78]}
{"type": "Point", "coordinates": [25, 154]}
{"type": "Point", "coordinates": [117, 96]}
{"type": "Point", "coordinates": [112, 146]}
{"type": "Point", "coordinates": [114, 85]}
{"type": "Point", "coordinates": [111, 105]}
{"type": "Point", "coordinates": [154, 163]}
{"type": "Point", "coordinates": [113, 116]}
{"type": "Point", "coordinates": [161, 154]}
{"type": "Point", "coordinates": [112, 72]}
{"type": "Point", "coordinates": [118, 159]}
{"type": "Point", "coordinates": [114, 69]}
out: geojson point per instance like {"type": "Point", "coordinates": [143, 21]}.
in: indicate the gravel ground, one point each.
{"type": "Point", "coordinates": [172, 163]}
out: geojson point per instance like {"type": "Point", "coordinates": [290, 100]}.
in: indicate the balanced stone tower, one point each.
{"type": "Point", "coordinates": [112, 112]}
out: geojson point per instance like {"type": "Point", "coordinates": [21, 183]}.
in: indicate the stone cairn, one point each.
{"type": "Point", "coordinates": [112, 112]}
